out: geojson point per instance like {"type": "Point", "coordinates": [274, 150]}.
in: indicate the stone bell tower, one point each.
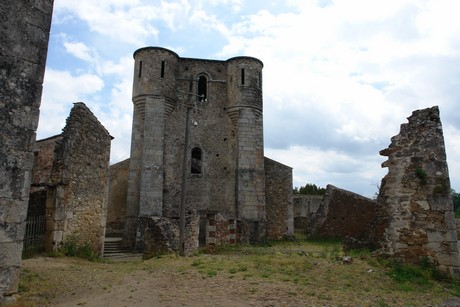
{"type": "Point", "coordinates": [225, 174]}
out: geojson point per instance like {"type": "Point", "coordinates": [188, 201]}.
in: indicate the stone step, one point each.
{"type": "Point", "coordinates": [113, 248]}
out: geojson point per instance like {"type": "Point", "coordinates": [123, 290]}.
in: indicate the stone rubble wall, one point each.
{"type": "Point", "coordinates": [83, 164]}
{"type": "Point", "coordinates": [343, 214]}
{"type": "Point", "coordinates": [24, 38]}
{"type": "Point", "coordinates": [415, 197]}
{"type": "Point", "coordinates": [160, 235]}
{"type": "Point", "coordinates": [73, 168]}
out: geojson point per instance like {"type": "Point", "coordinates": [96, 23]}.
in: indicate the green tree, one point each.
{"type": "Point", "coordinates": [456, 201]}
{"type": "Point", "coordinates": [309, 189]}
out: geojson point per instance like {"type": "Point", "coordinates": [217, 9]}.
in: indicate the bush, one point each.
{"type": "Point", "coordinates": [72, 248]}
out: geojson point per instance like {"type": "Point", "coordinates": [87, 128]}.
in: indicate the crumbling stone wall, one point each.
{"type": "Point", "coordinates": [160, 235]}
{"type": "Point", "coordinates": [343, 214]}
{"type": "Point", "coordinates": [74, 169]}
{"type": "Point", "coordinates": [415, 196]}
{"type": "Point", "coordinates": [118, 190]}
{"type": "Point", "coordinates": [304, 207]}
{"type": "Point", "coordinates": [278, 198]}
{"type": "Point", "coordinates": [23, 48]}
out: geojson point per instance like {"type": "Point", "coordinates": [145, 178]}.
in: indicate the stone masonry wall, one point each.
{"type": "Point", "coordinates": [304, 207]}
{"type": "Point", "coordinates": [343, 214]}
{"type": "Point", "coordinates": [116, 207]}
{"type": "Point", "coordinates": [83, 168]}
{"type": "Point", "coordinates": [278, 198]}
{"type": "Point", "coordinates": [23, 48]}
{"type": "Point", "coordinates": [73, 169]}
{"type": "Point", "coordinates": [415, 196]}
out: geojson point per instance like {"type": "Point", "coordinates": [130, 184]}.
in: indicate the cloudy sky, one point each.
{"type": "Point", "coordinates": [340, 76]}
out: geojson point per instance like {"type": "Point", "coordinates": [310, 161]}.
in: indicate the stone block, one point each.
{"type": "Point", "coordinates": [12, 211]}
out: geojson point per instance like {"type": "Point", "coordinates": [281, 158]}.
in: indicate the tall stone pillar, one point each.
{"type": "Point", "coordinates": [24, 38]}
{"type": "Point", "coordinates": [153, 98]}
{"type": "Point", "coordinates": [245, 107]}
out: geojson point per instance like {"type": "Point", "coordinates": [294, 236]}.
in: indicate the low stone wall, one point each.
{"type": "Point", "coordinates": [343, 214]}
{"type": "Point", "coordinates": [160, 235]}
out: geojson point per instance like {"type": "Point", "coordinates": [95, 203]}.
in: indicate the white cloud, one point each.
{"type": "Point", "coordinates": [79, 50]}
{"type": "Point", "coordinates": [339, 76]}
{"type": "Point", "coordinates": [61, 89]}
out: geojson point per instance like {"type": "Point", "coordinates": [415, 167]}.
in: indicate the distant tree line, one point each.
{"type": "Point", "coordinates": [456, 200]}
{"type": "Point", "coordinates": [310, 189]}
{"type": "Point", "coordinates": [313, 189]}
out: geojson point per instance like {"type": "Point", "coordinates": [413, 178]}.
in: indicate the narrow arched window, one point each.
{"type": "Point", "coordinates": [196, 160]}
{"type": "Point", "coordinates": [202, 88]}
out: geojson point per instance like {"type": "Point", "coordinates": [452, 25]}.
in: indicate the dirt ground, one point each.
{"type": "Point", "coordinates": [174, 281]}
{"type": "Point", "coordinates": [75, 282]}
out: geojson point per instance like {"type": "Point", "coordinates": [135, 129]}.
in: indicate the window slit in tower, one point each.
{"type": "Point", "coordinates": [202, 88]}
{"type": "Point", "coordinates": [196, 161]}
{"type": "Point", "coordinates": [242, 75]}
{"type": "Point", "coordinates": [140, 69]}
{"type": "Point", "coordinates": [162, 69]}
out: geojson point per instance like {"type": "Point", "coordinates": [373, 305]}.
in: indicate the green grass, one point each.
{"type": "Point", "coordinates": [310, 271]}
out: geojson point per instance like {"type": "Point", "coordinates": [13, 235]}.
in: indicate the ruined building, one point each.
{"type": "Point", "coordinates": [70, 184]}
{"type": "Point", "coordinates": [413, 219]}
{"type": "Point", "coordinates": [417, 221]}
{"type": "Point", "coordinates": [227, 176]}
{"type": "Point", "coordinates": [23, 48]}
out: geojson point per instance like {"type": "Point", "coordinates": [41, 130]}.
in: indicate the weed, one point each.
{"type": "Point", "coordinates": [212, 273]}
{"type": "Point", "coordinates": [421, 174]}
{"type": "Point", "coordinates": [73, 248]}
{"type": "Point", "coordinates": [197, 262]}
{"type": "Point", "coordinates": [407, 276]}
{"type": "Point", "coordinates": [27, 278]}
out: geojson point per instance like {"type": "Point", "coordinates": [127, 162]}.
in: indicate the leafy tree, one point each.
{"type": "Point", "coordinates": [309, 189]}
{"type": "Point", "coordinates": [456, 201]}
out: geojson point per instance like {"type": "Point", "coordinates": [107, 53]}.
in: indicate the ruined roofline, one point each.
{"type": "Point", "coordinates": [56, 136]}
{"type": "Point", "coordinates": [274, 161]}
{"type": "Point", "coordinates": [331, 187]}
{"type": "Point", "coordinates": [241, 57]}
{"type": "Point", "coordinates": [80, 104]}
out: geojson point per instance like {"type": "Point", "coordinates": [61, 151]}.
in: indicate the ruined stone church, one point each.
{"type": "Point", "coordinates": [232, 192]}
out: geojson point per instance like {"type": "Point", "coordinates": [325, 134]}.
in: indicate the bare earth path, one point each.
{"type": "Point", "coordinates": [75, 282]}
{"type": "Point", "coordinates": [280, 278]}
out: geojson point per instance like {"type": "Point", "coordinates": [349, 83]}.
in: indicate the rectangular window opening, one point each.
{"type": "Point", "coordinates": [140, 70]}
{"type": "Point", "coordinates": [162, 68]}
{"type": "Point", "coordinates": [242, 76]}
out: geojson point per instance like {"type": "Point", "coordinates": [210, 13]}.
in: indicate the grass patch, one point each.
{"type": "Point", "coordinates": [306, 271]}
{"type": "Point", "coordinates": [72, 248]}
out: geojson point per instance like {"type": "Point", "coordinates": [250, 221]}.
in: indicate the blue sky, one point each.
{"type": "Point", "coordinates": [340, 76]}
